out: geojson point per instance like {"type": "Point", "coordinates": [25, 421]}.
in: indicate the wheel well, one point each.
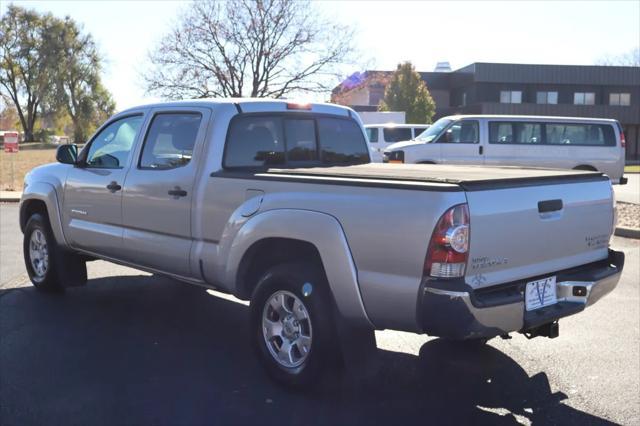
{"type": "Point", "coordinates": [266, 253]}
{"type": "Point", "coordinates": [585, 167]}
{"type": "Point", "coordinates": [29, 208]}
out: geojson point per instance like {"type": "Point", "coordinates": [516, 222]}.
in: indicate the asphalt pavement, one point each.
{"type": "Point", "coordinates": [134, 348]}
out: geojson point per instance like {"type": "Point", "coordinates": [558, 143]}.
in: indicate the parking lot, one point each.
{"type": "Point", "coordinates": [134, 348]}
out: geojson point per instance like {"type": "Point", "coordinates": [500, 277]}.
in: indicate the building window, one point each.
{"type": "Point", "coordinates": [547, 97]}
{"type": "Point", "coordinates": [623, 99]}
{"type": "Point", "coordinates": [584, 98]}
{"type": "Point", "coordinates": [510, 97]}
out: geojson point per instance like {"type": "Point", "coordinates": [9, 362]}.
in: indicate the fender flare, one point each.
{"type": "Point", "coordinates": [45, 192]}
{"type": "Point", "coordinates": [320, 229]}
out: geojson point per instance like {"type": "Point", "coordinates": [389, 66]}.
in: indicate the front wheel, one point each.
{"type": "Point", "coordinates": [48, 266]}
{"type": "Point", "coordinates": [292, 324]}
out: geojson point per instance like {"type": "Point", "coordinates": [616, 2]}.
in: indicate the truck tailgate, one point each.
{"type": "Point", "coordinates": [532, 230]}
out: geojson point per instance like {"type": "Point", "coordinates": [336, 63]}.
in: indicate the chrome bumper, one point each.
{"type": "Point", "coordinates": [500, 309]}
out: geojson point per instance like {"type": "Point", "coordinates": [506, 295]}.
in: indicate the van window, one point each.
{"type": "Point", "coordinates": [397, 134]}
{"type": "Point", "coordinates": [417, 131]}
{"type": "Point", "coordinates": [342, 141]}
{"type": "Point", "coordinates": [254, 141]}
{"type": "Point", "coordinates": [515, 132]}
{"type": "Point", "coordinates": [372, 134]}
{"type": "Point", "coordinates": [580, 134]}
{"type": "Point", "coordinates": [463, 131]}
{"type": "Point", "coordinates": [434, 130]}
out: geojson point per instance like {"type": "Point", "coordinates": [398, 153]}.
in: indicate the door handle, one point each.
{"type": "Point", "coordinates": [549, 206]}
{"type": "Point", "coordinates": [480, 149]}
{"type": "Point", "coordinates": [177, 192]}
{"type": "Point", "coordinates": [113, 186]}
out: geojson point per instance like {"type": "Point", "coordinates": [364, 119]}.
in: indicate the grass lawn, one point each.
{"type": "Point", "coordinates": [23, 161]}
{"type": "Point", "coordinates": [632, 169]}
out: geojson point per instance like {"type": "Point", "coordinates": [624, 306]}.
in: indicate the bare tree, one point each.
{"type": "Point", "coordinates": [628, 59]}
{"type": "Point", "coordinates": [257, 48]}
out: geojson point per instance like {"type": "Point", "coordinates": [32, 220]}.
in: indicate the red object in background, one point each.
{"type": "Point", "coordinates": [10, 142]}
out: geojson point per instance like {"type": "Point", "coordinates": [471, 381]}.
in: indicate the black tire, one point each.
{"type": "Point", "coordinates": [325, 350]}
{"type": "Point", "coordinates": [586, 168]}
{"type": "Point", "coordinates": [63, 268]}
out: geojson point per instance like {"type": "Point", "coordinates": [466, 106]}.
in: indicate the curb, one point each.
{"type": "Point", "coordinates": [9, 199]}
{"type": "Point", "coordinates": [623, 231]}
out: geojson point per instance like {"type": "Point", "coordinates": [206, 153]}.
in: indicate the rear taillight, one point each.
{"type": "Point", "coordinates": [299, 105]}
{"type": "Point", "coordinates": [449, 245]}
{"type": "Point", "coordinates": [623, 141]}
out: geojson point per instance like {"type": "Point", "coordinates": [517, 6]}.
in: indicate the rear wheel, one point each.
{"type": "Point", "coordinates": [49, 267]}
{"type": "Point", "coordinates": [292, 324]}
{"type": "Point", "coordinates": [585, 167]}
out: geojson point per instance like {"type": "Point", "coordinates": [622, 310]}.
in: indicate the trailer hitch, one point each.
{"type": "Point", "coordinates": [550, 330]}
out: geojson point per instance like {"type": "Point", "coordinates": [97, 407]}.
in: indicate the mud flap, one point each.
{"type": "Point", "coordinates": [71, 268]}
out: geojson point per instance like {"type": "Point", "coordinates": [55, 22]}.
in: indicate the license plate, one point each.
{"type": "Point", "coordinates": [540, 293]}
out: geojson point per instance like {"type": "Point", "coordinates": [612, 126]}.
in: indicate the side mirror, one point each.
{"type": "Point", "coordinates": [67, 154]}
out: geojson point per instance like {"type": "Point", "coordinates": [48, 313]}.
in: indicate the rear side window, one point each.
{"type": "Point", "coordinates": [372, 134]}
{"type": "Point", "coordinates": [515, 132]}
{"type": "Point", "coordinates": [580, 134]}
{"type": "Point", "coordinates": [170, 140]}
{"type": "Point", "coordinates": [342, 142]}
{"type": "Point", "coordinates": [259, 141]}
{"type": "Point", "coordinates": [254, 142]}
{"type": "Point", "coordinates": [397, 134]}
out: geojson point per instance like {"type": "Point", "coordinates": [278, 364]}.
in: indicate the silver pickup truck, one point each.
{"type": "Point", "coordinates": [277, 203]}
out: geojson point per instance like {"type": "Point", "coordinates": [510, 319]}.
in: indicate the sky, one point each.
{"type": "Point", "coordinates": [387, 32]}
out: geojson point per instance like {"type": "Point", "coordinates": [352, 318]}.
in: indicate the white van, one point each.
{"type": "Point", "coordinates": [529, 141]}
{"type": "Point", "coordinates": [381, 136]}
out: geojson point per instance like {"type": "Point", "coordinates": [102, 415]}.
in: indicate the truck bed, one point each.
{"type": "Point", "coordinates": [469, 178]}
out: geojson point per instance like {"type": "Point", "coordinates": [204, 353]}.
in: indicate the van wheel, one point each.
{"type": "Point", "coordinates": [49, 267]}
{"type": "Point", "coordinates": [292, 324]}
{"type": "Point", "coordinates": [587, 168]}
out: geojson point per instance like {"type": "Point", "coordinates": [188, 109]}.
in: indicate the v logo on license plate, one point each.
{"type": "Point", "coordinates": [540, 293]}
{"type": "Point", "coordinates": [544, 290]}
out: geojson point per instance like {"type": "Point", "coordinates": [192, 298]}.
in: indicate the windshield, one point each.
{"type": "Point", "coordinates": [432, 132]}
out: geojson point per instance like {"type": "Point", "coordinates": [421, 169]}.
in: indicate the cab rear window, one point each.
{"type": "Point", "coordinates": [294, 140]}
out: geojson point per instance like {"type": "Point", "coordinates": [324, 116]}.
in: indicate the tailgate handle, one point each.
{"type": "Point", "coordinates": [549, 206]}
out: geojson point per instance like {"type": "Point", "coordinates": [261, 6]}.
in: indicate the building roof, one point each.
{"type": "Point", "coordinates": [515, 73]}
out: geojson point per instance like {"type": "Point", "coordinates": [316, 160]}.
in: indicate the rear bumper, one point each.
{"type": "Point", "coordinates": [465, 313]}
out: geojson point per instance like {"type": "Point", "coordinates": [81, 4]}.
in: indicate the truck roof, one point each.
{"type": "Point", "coordinates": [253, 105]}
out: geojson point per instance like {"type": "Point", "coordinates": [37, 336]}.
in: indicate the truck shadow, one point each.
{"type": "Point", "coordinates": [148, 350]}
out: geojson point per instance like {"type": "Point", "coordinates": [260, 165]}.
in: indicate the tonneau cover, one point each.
{"type": "Point", "coordinates": [469, 177]}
